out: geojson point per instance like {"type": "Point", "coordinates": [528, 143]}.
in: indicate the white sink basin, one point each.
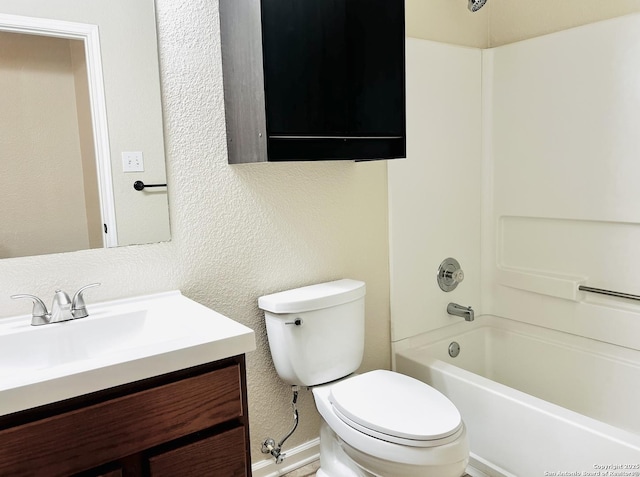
{"type": "Point", "coordinates": [119, 342]}
{"type": "Point", "coordinates": [30, 348]}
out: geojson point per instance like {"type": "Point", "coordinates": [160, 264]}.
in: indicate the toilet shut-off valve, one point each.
{"type": "Point", "coordinates": [269, 445]}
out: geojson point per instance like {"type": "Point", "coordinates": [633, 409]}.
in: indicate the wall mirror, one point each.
{"type": "Point", "coordinates": [80, 123]}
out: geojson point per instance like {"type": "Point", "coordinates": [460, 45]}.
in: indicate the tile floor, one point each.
{"type": "Point", "coordinates": [309, 470]}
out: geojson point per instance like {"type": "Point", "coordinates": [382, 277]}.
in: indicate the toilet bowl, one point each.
{"type": "Point", "coordinates": [378, 423]}
{"type": "Point", "coordinates": [388, 424]}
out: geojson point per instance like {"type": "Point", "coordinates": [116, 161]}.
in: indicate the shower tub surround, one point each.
{"type": "Point", "coordinates": [545, 202]}
{"type": "Point", "coordinates": [535, 401]}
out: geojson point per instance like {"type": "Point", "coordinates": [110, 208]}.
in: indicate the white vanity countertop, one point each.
{"type": "Point", "coordinates": [121, 341]}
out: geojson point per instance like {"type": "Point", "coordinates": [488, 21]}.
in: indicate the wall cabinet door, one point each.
{"type": "Point", "coordinates": [305, 67]}
{"type": "Point", "coordinates": [334, 68]}
{"type": "Point", "coordinates": [334, 78]}
{"type": "Point", "coordinates": [331, 83]}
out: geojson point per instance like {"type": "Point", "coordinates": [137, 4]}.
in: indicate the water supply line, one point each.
{"type": "Point", "coordinates": [269, 446]}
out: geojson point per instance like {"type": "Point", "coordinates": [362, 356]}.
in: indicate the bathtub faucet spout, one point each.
{"type": "Point", "coordinates": [465, 312]}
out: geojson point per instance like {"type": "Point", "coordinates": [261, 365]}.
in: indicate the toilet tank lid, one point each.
{"type": "Point", "coordinates": [313, 297]}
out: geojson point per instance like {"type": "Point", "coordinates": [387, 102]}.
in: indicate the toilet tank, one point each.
{"type": "Point", "coordinates": [316, 333]}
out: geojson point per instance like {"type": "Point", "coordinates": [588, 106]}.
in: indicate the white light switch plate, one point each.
{"type": "Point", "coordinates": [132, 161]}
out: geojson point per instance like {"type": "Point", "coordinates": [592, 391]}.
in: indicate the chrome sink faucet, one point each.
{"type": "Point", "coordinates": [62, 309]}
{"type": "Point", "coordinates": [465, 312]}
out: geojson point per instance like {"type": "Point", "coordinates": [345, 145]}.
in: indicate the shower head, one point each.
{"type": "Point", "coordinates": [475, 5]}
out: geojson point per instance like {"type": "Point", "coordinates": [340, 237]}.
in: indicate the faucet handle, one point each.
{"type": "Point", "coordinates": [39, 315]}
{"type": "Point", "coordinates": [78, 307]}
{"type": "Point", "coordinates": [449, 274]}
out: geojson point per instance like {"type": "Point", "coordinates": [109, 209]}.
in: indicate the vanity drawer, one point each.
{"type": "Point", "coordinates": [222, 454]}
{"type": "Point", "coordinates": [100, 433]}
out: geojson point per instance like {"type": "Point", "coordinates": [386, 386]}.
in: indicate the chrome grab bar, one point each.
{"type": "Point", "coordinates": [609, 292]}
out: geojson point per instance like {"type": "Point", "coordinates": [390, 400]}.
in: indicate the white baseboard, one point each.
{"type": "Point", "coordinates": [294, 459]}
{"type": "Point", "coordinates": [479, 467]}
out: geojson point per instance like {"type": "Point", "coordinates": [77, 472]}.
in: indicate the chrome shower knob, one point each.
{"type": "Point", "coordinates": [449, 274]}
{"type": "Point", "coordinates": [457, 275]}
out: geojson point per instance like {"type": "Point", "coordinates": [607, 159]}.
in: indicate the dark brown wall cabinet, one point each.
{"type": "Point", "coordinates": [190, 423]}
{"type": "Point", "coordinates": [313, 79]}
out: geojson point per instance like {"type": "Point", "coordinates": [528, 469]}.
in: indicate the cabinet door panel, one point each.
{"type": "Point", "coordinates": [335, 67]}
{"type": "Point", "coordinates": [375, 67]}
{"type": "Point", "coordinates": [222, 454]}
{"type": "Point", "coordinates": [305, 66]}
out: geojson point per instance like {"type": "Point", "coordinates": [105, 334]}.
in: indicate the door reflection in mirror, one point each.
{"type": "Point", "coordinates": [50, 197]}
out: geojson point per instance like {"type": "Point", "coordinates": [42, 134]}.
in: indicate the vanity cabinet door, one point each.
{"type": "Point", "coordinates": [222, 454]}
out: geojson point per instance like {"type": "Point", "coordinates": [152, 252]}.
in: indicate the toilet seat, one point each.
{"type": "Point", "coordinates": [396, 408]}
{"type": "Point", "coordinates": [451, 449]}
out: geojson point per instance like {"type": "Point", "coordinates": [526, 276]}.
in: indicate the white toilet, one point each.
{"type": "Point", "coordinates": [379, 423]}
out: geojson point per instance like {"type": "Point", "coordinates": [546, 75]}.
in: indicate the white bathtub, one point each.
{"type": "Point", "coordinates": [536, 402]}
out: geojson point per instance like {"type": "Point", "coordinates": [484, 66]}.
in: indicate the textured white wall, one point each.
{"type": "Point", "coordinates": [237, 231]}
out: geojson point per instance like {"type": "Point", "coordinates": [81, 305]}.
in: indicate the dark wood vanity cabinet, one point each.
{"type": "Point", "coordinates": [313, 80]}
{"type": "Point", "coordinates": [188, 423]}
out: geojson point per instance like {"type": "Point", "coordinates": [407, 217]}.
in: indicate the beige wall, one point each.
{"type": "Point", "coordinates": [447, 21]}
{"type": "Point", "coordinates": [87, 144]}
{"type": "Point", "coordinates": [514, 20]}
{"type": "Point", "coordinates": [505, 21]}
